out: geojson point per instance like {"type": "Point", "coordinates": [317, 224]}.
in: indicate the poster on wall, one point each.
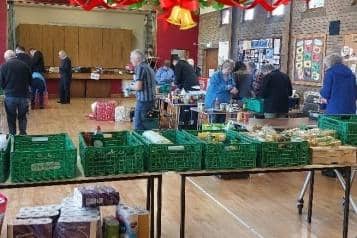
{"type": "Point", "coordinates": [260, 51]}
{"type": "Point", "coordinates": [309, 53]}
{"type": "Point", "coordinates": [223, 51]}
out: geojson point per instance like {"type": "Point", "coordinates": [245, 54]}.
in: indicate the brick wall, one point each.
{"type": "Point", "coordinates": [211, 30]}
{"type": "Point", "coordinates": [304, 21]}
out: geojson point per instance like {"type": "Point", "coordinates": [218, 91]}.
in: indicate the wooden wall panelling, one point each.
{"type": "Point", "coordinates": [71, 43]}
{"type": "Point", "coordinates": [30, 36]}
{"type": "Point", "coordinates": [128, 40]}
{"type": "Point", "coordinates": [84, 44]}
{"type": "Point", "coordinates": [107, 50]}
{"type": "Point", "coordinates": [57, 34]}
{"type": "Point", "coordinates": [96, 47]}
{"type": "Point", "coordinates": [47, 45]}
{"type": "Point", "coordinates": [99, 89]}
{"type": "Point", "coordinates": [121, 47]}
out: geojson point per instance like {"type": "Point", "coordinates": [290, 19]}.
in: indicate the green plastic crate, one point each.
{"type": "Point", "coordinates": [254, 104]}
{"type": "Point", "coordinates": [5, 162]}
{"type": "Point", "coordinates": [230, 154]}
{"type": "Point", "coordinates": [42, 158]}
{"type": "Point", "coordinates": [213, 127]}
{"type": "Point", "coordinates": [345, 127]}
{"type": "Point", "coordinates": [279, 154]}
{"type": "Point", "coordinates": [184, 154]}
{"type": "Point", "coordinates": [165, 89]}
{"type": "Point", "coordinates": [121, 153]}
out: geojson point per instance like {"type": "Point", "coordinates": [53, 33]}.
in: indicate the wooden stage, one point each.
{"type": "Point", "coordinates": [262, 206]}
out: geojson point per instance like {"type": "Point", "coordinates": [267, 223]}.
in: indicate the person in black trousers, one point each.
{"type": "Point", "coordinates": [65, 70]}
{"type": "Point", "coordinates": [15, 79]}
{"type": "Point", "coordinates": [185, 76]}
{"type": "Point", "coordinates": [38, 64]}
{"type": "Point", "coordinates": [275, 91]}
{"type": "Point", "coordinates": [23, 56]}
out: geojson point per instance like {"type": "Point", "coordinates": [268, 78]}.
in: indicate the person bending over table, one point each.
{"type": "Point", "coordinates": [144, 85]}
{"type": "Point", "coordinates": [221, 87]}
{"type": "Point", "coordinates": [275, 91]}
{"type": "Point", "coordinates": [339, 87]}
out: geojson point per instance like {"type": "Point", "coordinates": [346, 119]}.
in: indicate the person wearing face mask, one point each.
{"type": "Point", "coordinates": [221, 87]}
{"type": "Point", "coordinates": [165, 75]}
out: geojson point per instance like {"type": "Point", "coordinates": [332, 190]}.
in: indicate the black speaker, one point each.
{"type": "Point", "coordinates": [334, 28]}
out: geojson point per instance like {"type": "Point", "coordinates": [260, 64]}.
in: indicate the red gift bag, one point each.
{"type": "Point", "coordinates": [105, 110]}
{"type": "Point", "coordinates": [3, 205]}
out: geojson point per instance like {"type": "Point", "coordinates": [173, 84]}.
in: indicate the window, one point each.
{"type": "Point", "coordinates": [225, 16]}
{"type": "Point", "coordinates": [249, 14]}
{"type": "Point", "coordinates": [279, 11]}
{"type": "Point", "coordinates": [316, 4]}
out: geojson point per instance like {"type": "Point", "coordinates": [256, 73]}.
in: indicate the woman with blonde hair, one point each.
{"type": "Point", "coordinates": [221, 88]}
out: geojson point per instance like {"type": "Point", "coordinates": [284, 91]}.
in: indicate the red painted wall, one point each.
{"type": "Point", "coordinates": [171, 37]}
{"type": "Point", "coordinates": [3, 29]}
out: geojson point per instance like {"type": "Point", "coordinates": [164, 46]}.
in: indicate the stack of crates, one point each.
{"type": "Point", "coordinates": [344, 125]}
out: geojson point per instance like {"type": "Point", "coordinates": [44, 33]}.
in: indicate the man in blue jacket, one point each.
{"type": "Point", "coordinates": [339, 88]}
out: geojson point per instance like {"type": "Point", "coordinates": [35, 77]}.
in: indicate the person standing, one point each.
{"type": "Point", "coordinates": [339, 87]}
{"type": "Point", "coordinates": [258, 81]}
{"type": "Point", "coordinates": [38, 64]}
{"type": "Point", "coordinates": [65, 70]}
{"type": "Point", "coordinates": [185, 76]}
{"type": "Point", "coordinates": [144, 85]}
{"type": "Point", "coordinates": [165, 75]}
{"type": "Point", "coordinates": [23, 56]}
{"type": "Point", "coordinates": [195, 67]}
{"type": "Point", "coordinates": [15, 78]}
{"type": "Point", "coordinates": [221, 88]}
{"type": "Point", "coordinates": [275, 91]}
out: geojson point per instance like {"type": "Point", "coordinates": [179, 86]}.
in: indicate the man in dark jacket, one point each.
{"type": "Point", "coordinates": [185, 76]}
{"type": "Point", "coordinates": [275, 91]}
{"type": "Point", "coordinates": [23, 56]}
{"type": "Point", "coordinates": [15, 78]}
{"type": "Point", "coordinates": [38, 64]}
{"type": "Point", "coordinates": [65, 70]}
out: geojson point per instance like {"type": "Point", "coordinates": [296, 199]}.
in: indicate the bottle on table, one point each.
{"type": "Point", "coordinates": [98, 137]}
{"type": "Point", "coordinates": [216, 104]}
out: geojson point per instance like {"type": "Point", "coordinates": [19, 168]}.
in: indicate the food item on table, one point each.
{"type": "Point", "coordinates": [110, 227]}
{"type": "Point", "coordinates": [315, 137]}
{"type": "Point", "coordinates": [215, 137]}
{"type": "Point", "coordinates": [156, 138]}
{"type": "Point", "coordinates": [78, 227]}
{"type": "Point", "coordinates": [40, 228]}
{"type": "Point", "coordinates": [134, 222]}
{"type": "Point", "coordinates": [94, 196]}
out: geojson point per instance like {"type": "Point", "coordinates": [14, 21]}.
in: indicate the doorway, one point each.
{"type": "Point", "coordinates": [211, 61]}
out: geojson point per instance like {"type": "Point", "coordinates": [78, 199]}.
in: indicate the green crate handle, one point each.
{"type": "Point", "coordinates": [176, 148]}
{"type": "Point", "coordinates": [39, 139]}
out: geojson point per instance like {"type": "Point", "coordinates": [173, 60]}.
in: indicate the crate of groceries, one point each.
{"type": "Point", "coordinates": [224, 150]}
{"type": "Point", "coordinates": [254, 104]}
{"type": "Point", "coordinates": [171, 150]}
{"type": "Point", "coordinates": [344, 125]}
{"type": "Point", "coordinates": [110, 153]}
{"type": "Point", "coordinates": [325, 148]}
{"type": "Point", "coordinates": [42, 158]}
{"type": "Point", "coordinates": [277, 149]}
{"type": "Point", "coordinates": [4, 157]}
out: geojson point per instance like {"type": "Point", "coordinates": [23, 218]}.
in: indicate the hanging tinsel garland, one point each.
{"type": "Point", "coordinates": [178, 12]}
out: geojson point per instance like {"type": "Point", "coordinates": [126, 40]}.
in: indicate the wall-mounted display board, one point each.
{"type": "Point", "coordinates": [349, 51]}
{"type": "Point", "coordinates": [309, 52]}
{"type": "Point", "coordinates": [260, 51]}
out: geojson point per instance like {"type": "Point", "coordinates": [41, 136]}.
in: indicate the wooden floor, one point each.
{"type": "Point", "coordinates": [263, 206]}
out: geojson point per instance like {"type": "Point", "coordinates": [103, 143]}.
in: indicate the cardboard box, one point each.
{"type": "Point", "coordinates": [135, 222]}
{"type": "Point", "coordinates": [39, 228]}
{"type": "Point", "coordinates": [334, 155]}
